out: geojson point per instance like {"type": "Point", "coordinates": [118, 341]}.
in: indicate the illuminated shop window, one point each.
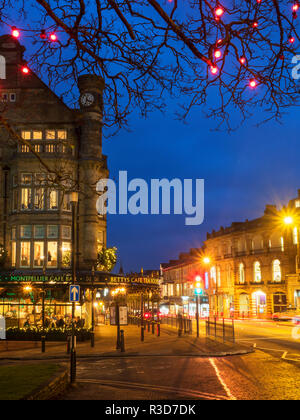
{"type": "Point", "coordinates": [52, 254]}
{"type": "Point", "coordinates": [26, 199]}
{"type": "Point", "coordinates": [53, 200]}
{"type": "Point", "coordinates": [66, 254]}
{"type": "Point", "coordinates": [39, 199]}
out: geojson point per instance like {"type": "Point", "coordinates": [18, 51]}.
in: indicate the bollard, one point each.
{"type": "Point", "coordinates": [73, 367]}
{"type": "Point", "coordinates": [153, 327]}
{"type": "Point", "coordinates": [142, 333]}
{"type": "Point", "coordinates": [179, 332]}
{"type": "Point", "coordinates": [122, 341]}
{"type": "Point", "coordinates": [43, 343]}
{"type": "Point", "coordinates": [92, 339]}
{"type": "Point", "coordinates": [158, 329]}
{"type": "Point", "coordinates": [148, 322]}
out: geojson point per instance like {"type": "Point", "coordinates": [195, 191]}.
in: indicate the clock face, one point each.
{"type": "Point", "coordinates": [87, 99]}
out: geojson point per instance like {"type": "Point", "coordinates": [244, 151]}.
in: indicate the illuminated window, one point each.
{"type": "Point", "coordinates": [26, 135]}
{"type": "Point", "coordinates": [39, 199]}
{"type": "Point", "coordinates": [297, 203]}
{"type": "Point", "coordinates": [62, 134]}
{"type": "Point", "coordinates": [295, 235]}
{"type": "Point", "coordinates": [53, 200]}
{"type": "Point", "coordinates": [26, 179]}
{"type": "Point", "coordinates": [38, 258]}
{"type": "Point", "coordinates": [50, 134]}
{"type": "Point", "coordinates": [257, 272]}
{"type": "Point", "coordinates": [66, 254]}
{"type": "Point", "coordinates": [39, 232]}
{"type": "Point", "coordinates": [13, 254]}
{"type": "Point", "coordinates": [37, 135]}
{"type": "Point", "coordinates": [66, 202]}
{"type": "Point", "coordinates": [24, 149]}
{"type": "Point", "coordinates": [52, 231]}
{"type": "Point", "coordinates": [282, 244]}
{"type": "Point", "coordinates": [37, 148]}
{"type": "Point", "coordinates": [219, 276]}
{"type": "Point", "coordinates": [50, 148]}
{"type": "Point", "coordinates": [276, 271]}
{"type": "Point", "coordinates": [241, 273]}
{"type": "Point", "coordinates": [25, 231]}
{"type": "Point", "coordinates": [26, 199]}
{"type": "Point", "coordinates": [25, 254]}
{"type": "Point", "coordinates": [52, 254]}
{"type": "Point", "coordinates": [14, 233]}
{"type": "Point", "coordinates": [213, 274]}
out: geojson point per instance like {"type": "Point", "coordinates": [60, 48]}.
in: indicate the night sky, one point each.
{"type": "Point", "coordinates": [243, 171]}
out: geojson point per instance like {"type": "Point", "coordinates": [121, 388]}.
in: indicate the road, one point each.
{"type": "Point", "coordinates": [264, 374]}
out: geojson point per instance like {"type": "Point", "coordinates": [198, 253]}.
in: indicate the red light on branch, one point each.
{"type": "Point", "coordinates": [15, 32]}
{"type": "Point", "coordinates": [214, 70]}
{"type": "Point", "coordinates": [243, 60]}
{"type": "Point", "coordinates": [25, 70]}
{"type": "Point", "coordinates": [291, 40]}
{"type": "Point", "coordinates": [43, 34]}
{"type": "Point", "coordinates": [218, 53]}
{"type": "Point", "coordinates": [255, 25]}
{"type": "Point", "coordinates": [53, 37]}
{"type": "Point", "coordinates": [295, 7]}
{"type": "Point", "coordinates": [219, 12]}
{"type": "Point", "coordinates": [253, 84]}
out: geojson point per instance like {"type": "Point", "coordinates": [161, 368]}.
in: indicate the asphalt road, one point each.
{"type": "Point", "coordinates": [271, 373]}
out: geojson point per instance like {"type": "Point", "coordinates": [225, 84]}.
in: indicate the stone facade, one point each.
{"type": "Point", "coordinates": [253, 269]}
{"type": "Point", "coordinates": [35, 210]}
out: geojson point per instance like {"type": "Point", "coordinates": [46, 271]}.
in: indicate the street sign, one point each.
{"type": "Point", "coordinates": [112, 311]}
{"type": "Point", "coordinates": [74, 293]}
{"type": "Point", "coordinates": [123, 315]}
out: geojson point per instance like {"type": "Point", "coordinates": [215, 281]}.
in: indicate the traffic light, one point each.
{"type": "Point", "coordinates": [198, 286]}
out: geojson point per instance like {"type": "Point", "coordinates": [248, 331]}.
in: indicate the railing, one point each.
{"type": "Point", "coordinates": [184, 325]}
{"type": "Point", "coordinates": [220, 328]}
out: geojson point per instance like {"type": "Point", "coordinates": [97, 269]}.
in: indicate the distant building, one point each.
{"type": "Point", "coordinates": [253, 270]}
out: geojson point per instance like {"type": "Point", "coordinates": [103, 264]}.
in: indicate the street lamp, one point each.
{"type": "Point", "coordinates": [74, 204]}
{"type": "Point", "coordinates": [115, 293]}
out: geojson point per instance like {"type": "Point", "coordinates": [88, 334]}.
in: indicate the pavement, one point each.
{"type": "Point", "coordinates": [168, 344]}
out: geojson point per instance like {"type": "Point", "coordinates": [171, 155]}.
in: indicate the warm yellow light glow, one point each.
{"type": "Point", "coordinates": [198, 278]}
{"type": "Point", "coordinates": [27, 289]}
{"type": "Point", "coordinates": [288, 220]}
{"type": "Point", "coordinates": [206, 260]}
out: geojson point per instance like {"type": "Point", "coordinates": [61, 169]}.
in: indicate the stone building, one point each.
{"type": "Point", "coordinates": [252, 269]}
{"type": "Point", "coordinates": [35, 211]}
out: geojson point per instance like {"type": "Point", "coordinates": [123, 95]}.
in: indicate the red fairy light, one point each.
{"type": "Point", "coordinates": [291, 40]}
{"type": "Point", "coordinates": [25, 70]}
{"type": "Point", "coordinates": [43, 34]}
{"type": "Point", "coordinates": [258, 1]}
{"type": "Point", "coordinates": [15, 32]}
{"type": "Point", "coordinates": [253, 83]}
{"type": "Point", "coordinates": [243, 60]}
{"type": "Point", "coordinates": [53, 37]}
{"type": "Point", "coordinates": [214, 69]}
{"type": "Point", "coordinates": [296, 7]}
{"type": "Point", "coordinates": [255, 25]}
{"type": "Point", "coordinates": [219, 12]}
{"type": "Point", "coordinates": [218, 53]}
{"type": "Point", "coordinates": [219, 41]}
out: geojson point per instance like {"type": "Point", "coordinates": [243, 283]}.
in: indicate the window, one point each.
{"type": "Point", "coordinates": [52, 254]}
{"type": "Point", "coordinates": [26, 179]}
{"type": "Point", "coordinates": [14, 233]}
{"type": "Point", "coordinates": [276, 271]}
{"type": "Point", "coordinates": [40, 179]}
{"type": "Point", "coordinates": [13, 254]}
{"type": "Point", "coordinates": [257, 272]}
{"type": "Point", "coordinates": [15, 180]}
{"type": "Point", "coordinates": [39, 199]}
{"type": "Point", "coordinates": [12, 97]}
{"type": "Point", "coordinates": [15, 200]}
{"type": "Point", "coordinates": [25, 231]}
{"type": "Point", "coordinates": [26, 135]}
{"type": "Point", "coordinates": [282, 244]}
{"type": "Point", "coordinates": [50, 134]}
{"type": "Point", "coordinates": [53, 200]}
{"type": "Point", "coordinates": [219, 276]}
{"type": "Point", "coordinates": [66, 232]}
{"type": "Point", "coordinates": [213, 274]}
{"type": "Point", "coordinates": [295, 235]}
{"type": "Point", "coordinates": [62, 134]}
{"type": "Point", "coordinates": [24, 149]}
{"type": "Point", "coordinates": [26, 199]}
{"type": "Point", "coordinates": [39, 232]}
{"type": "Point", "coordinates": [66, 202]}
{"type": "Point", "coordinates": [52, 231]}
{"type": "Point", "coordinates": [241, 273]}
{"type": "Point", "coordinates": [25, 254]}
{"type": "Point", "coordinates": [38, 258]}
{"type": "Point", "coordinates": [50, 148]}
{"type": "Point", "coordinates": [66, 254]}
{"type": "Point", "coordinates": [37, 148]}
{"type": "Point", "coordinates": [297, 203]}
{"type": "Point", "coordinates": [37, 135]}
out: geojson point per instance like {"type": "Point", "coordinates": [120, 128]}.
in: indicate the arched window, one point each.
{"type": "Point", "coordinates": [2, 67]}
{"type": "Point", "coordinates": [276, 271]}
{"type": "Point", "coordinates": [295, 235]}
{"type": "Point", "coordinates": [219, 276]}
{"type": "Point", "coordinates": [257, 272]}
{"type": "Point", "coordinates": [241, 273]}
{"type": "Point", "coordinates": [257, 242]}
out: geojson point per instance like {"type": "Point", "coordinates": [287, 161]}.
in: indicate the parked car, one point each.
{"type": "Point", "coordinates": [291, 314]}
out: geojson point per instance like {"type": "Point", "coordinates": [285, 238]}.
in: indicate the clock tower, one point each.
{"type": "Point", "coordinates": [92, 168]}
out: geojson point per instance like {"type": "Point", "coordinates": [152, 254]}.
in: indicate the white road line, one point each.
{"type": "Point", "coordinates": [284, 355]}
{"type": "Point", "coordinates": [227, 390]}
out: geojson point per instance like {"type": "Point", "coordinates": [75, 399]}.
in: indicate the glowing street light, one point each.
{"type": "Point", "coordinates": [288, 220]}
{"type": "Point", "coordinates": [206, 260]}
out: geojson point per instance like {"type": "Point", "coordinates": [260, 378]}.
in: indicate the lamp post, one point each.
{"type": "Point", "coordinates": [43, 306]}
{"type": "Point", "coordinates": [93, 309]}
{"type": "Point", "coordinates": [74, 203]}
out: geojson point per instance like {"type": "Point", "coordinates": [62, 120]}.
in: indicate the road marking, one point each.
{"type": "Point", "coordinates": [227, 390]}
{"type": "Point", "coordinates": [284, 355]}
{"type": "Point", "coordinates": [167, 389]}
{"type": "Point", "coordinates": [254, 345]}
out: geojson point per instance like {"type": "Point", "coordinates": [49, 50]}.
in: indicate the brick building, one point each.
{"type": "Point", "coordinates": [253, 270]}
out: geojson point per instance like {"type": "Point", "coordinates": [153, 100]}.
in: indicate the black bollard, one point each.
{"type": "Point", "coordinates": [68, 344]}
{"type": "Point", "coordinates": [158, 329]}
{"type": "Point", "coordinates": [122, 341]}
{"type": "Point", "coordinates": [43, 344]}
{"type": "Point", "coordinates": [142, 333]}
{"type": "Point", "coordinates": [153, 327]}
